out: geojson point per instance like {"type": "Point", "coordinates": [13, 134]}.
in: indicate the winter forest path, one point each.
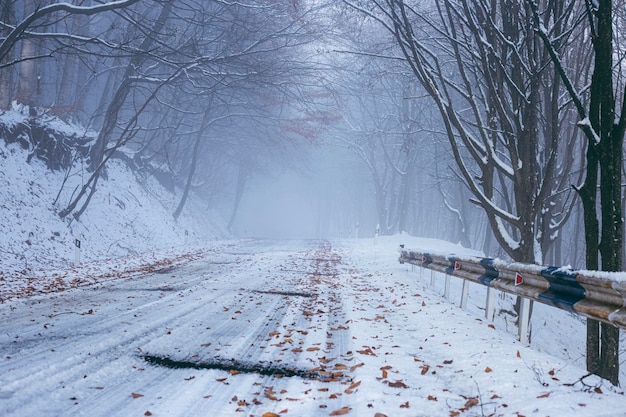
{"type": "Point", "coordinates": [265, 328]}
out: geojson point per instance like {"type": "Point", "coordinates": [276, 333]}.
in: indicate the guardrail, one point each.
{"type": "Point", "coordinates": [593, 294]}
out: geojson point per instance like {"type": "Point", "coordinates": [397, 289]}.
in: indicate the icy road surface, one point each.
{"type": "Point", "coordinates": [266, 328]}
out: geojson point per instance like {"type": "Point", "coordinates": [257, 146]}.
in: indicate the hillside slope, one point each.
{"type": "Point", "coordinates": [127, 215]}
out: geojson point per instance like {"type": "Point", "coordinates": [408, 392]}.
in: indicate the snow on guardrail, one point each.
{"type": "Point", "coordinates": [594, 294]}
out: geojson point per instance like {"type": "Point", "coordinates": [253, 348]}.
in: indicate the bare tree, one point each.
{"type": "Point", "coordinates": [482, 65]}
{"type": "Point", "coordinates": [603, 122]}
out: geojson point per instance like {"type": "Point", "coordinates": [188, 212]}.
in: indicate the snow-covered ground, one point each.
{"type": "Point", "coordinates": [128, 214]}
{"type": "Point", "coordinates": [156, 322]}
{"type": "Point", "coordinates": [264, 328]}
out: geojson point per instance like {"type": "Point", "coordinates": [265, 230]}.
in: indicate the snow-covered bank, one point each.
{"type": "Point", "coordinates": [127, 215]}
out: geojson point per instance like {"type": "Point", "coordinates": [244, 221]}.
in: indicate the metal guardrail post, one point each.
{"type": "Point", "coordinates": [464, 294]}
{"type": "Point", "coordinates": [490, 304]}
{"type": "Point", "coordinates": [524, 320]}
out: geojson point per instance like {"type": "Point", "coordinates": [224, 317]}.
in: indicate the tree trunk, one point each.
{"type": "Point", "coordinates": [27, 83]}
{"type": "Point", "coordinates": [192, 171]}
{"type": "Point", "coordinates": [122, 91]}
{"type": "Point", "coordinates": [242, 176]}
{"type": "Point", "coordinates": [7, 14]}
{"type": "Point", "coordinates": [608, 159]}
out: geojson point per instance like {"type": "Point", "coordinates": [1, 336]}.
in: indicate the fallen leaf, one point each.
{"type": "Point", "coordinates": [488, 369]}
{"type": "Point", "coordinates": [354, 385]}
{"type": "Point", "coordinates": [341, 412]}
{"type": "Point", "coordinates": [546, 395]}
{"type": "Point", "coordinates": [135, 395]}
{"type": "Point", "coordinates": [398, 384]}
{"type": "Point", "coordinates": [431, 398]}
{"type": "Point", "coordinates": [147, 413]}
{"type": "Point", "coordinates": [268, 414]}
{"type": "Point", "coordinates": [358, 365]}
{"type": "Point", "coordinates": [471, 402]}
{"type": "Point", "coordinates": [380, 415]}
{"type": "Point", "coordinates": [519, 355]}
{"type": "Point", "coordinates": [425, 369]}
{"type": "Point", "coordinates": [405, 405]}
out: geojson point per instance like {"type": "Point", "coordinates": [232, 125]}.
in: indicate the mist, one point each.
{"type": "Point", "coordinates": [329, 195]}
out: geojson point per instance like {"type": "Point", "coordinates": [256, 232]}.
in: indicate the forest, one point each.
{"type": "Point", "coordinates": [498, 124]}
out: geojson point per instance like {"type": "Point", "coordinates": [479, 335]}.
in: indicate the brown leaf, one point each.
{"type": "Point", "coordinates": [380, 415]}
{"type": "Point", "coordinates": [147, 413]}
{"type": "Point", "coordinates": [488, 369]}
{"type": "Point", "coordinates": [268, 414]}
{"type": "Point", "coordinates": [135, 395]}
{"type": "Point", "coordinates": [546, 395]}
{"type": "Point", "coordinates": [341, 412]}
{"type": "Point", "coordinates": [447, 362]}
{"type": "Point", "coordinates": [358, 365]}
{"type": "Point", "coordinates": [405, 405]}
{"type": "Point", "coordinates": [425, 369]}
{"type": "Point", "coordinates": [398, 384]}
{"type": "Point", "coordinates": [519, 355]}
{"type": "Point", "coordinates": [471, 402]}
{"type": "Point", "coordinates": [431, 398]}
{"type": "Point", "coordinates": [354, 385]}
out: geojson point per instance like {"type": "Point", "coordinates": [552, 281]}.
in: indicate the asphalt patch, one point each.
{"type": "Point", "coordinates": [288, 293]}
{"type": "Point", "coordinates": [234, 367]}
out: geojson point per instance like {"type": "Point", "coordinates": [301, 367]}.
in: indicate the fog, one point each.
{"type": "Point", "coordinates": [329, 195]}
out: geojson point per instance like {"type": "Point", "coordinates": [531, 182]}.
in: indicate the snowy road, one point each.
{"type": "Point", "coordinates": [263, 328]}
